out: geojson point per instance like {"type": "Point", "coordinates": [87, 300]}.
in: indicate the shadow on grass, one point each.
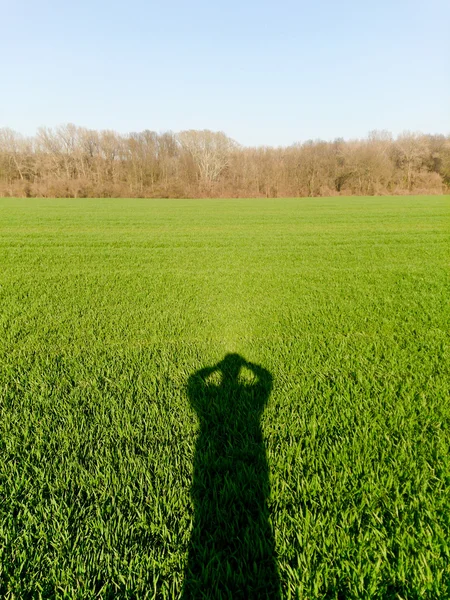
{"type": "Point", "coordinates": [231, 553]}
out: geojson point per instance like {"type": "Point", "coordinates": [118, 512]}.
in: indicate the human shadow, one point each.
{"type": "Point", "coordinates": [231, 552]}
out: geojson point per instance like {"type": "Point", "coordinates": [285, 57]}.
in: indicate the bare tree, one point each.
{"type": "Point", "coordinates": [74, 161]}
{"type": "Point", "coordinates": [411, 153]}
{"type": "Point", "coordinates": [210, 152]}
{"type": "Point", "coordinates": [15, 151]}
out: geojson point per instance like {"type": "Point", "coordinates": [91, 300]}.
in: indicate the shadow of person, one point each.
{"type": "Point", "coordinates": [231, 552]}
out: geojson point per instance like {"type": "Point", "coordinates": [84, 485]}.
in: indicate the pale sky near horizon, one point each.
{"type": "Point", "coordinates": [265, 73]}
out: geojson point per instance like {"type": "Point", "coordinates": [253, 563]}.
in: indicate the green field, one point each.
{"type": "Point", "coordinates": [225, 398]}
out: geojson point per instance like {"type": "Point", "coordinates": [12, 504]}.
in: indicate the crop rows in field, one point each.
{"type": "Point", "coordinates": [235, 398]}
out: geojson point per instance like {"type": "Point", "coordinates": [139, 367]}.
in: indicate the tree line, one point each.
{"type": "Point", "coordinates": [71, 161]}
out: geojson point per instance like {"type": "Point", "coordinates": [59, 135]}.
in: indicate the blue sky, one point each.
{"type": "Point", "coordinates": [263, 72]}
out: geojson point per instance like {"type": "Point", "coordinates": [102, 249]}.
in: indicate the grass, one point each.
{"type": "Point", "coordinates": [225, 398]}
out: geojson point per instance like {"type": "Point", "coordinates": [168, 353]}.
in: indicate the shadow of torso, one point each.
{"type": "Point", "coordinates": [231, 553]}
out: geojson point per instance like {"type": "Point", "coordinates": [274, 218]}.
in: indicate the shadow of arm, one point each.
{"type": "Point", "coordinates": [197, 381]}
{"type": "Point", "coordinates": [264, 377]}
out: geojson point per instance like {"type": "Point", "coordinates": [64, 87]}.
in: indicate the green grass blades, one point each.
{"type": "Point", "coordinates": [225, 398]}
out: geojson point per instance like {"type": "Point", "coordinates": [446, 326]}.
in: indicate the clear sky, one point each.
{"type": "Point", "coordinates": [264, 72]}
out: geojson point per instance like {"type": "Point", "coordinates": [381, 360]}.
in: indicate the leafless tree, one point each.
{"type": "Point", "coordinates": [74, 161]}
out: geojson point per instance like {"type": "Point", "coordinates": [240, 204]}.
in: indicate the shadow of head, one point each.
{"type": "Point", "coordinates": [232, 385]}
{"type": "Point", "coordinates": [230, 366]}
